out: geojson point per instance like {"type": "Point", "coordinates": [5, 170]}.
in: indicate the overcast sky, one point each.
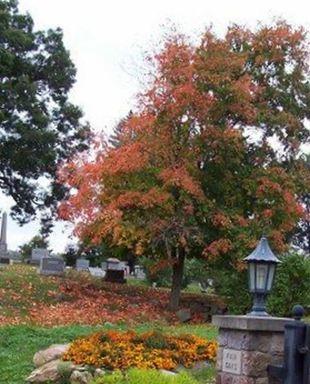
{"type": "Point", "coordinates": [107, 39]}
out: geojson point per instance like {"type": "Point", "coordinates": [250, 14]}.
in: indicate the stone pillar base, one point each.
{"type": "Point", "coordinates": [247, 345]}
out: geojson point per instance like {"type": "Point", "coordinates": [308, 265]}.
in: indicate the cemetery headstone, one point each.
{"type": "Point", "coordinates": [96, 272]}
{"type": "Point", "coordinates": [82, 265]}
{"type": "Point", "coordinates": [15, 256]}
{"type": "Point", "coordinates": [115, 271]}
{"type": "Point", "coordinates": [52, 266]}
{"type": "Point", "coordinates": [15, 261]}
{"type": "Point", "coordinates": [37, 254]}
{"type": "Point", "coordinates": [114, 264]}
{"type": "Point", "coordinates": [139, 272]}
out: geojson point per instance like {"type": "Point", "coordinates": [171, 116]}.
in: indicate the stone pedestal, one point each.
{"type": "Point", "coordinates": [247, 345]}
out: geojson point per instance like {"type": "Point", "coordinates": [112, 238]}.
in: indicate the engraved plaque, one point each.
{"type": "Point", "coordinates": [232, 361]}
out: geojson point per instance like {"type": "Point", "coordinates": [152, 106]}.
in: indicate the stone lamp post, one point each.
{"type": "Point", "coordinates": [249, 344]}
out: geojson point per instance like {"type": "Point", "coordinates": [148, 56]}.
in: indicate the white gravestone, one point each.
{"type": "Point", "coordinates": [82, 265]}
{"type": "Point", "coordinates": [96, 272]}
{"type": "Point", "coordinates": [232, 361]}
{"type": "Point", "coordinates": [37, 254]}
{"type": "Point", "coordinates": [114, 264]}
{"type": "Point", "coordinates": [52, 266]}
{"type": "Point", "coordinates": [139, 272]}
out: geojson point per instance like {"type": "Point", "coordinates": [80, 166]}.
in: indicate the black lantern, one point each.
{"type": "Point", "coordinates": [261, 266]}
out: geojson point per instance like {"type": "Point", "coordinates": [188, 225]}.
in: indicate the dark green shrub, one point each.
{"type": "Point", "coordinates": [292, 285]}
{"type": "Point", "coordinates": [232, 286]}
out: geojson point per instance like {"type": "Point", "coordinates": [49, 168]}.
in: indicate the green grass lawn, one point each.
{"type": "Point", "coordinates": [18, 344]}
{"type": "Point", "coordinates": [21, 286]}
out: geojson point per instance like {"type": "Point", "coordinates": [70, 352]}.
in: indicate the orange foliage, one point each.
{"type": "Point", "coordinates": [185, 174]}
{"type": "Point", "coordinates": [83, 303]}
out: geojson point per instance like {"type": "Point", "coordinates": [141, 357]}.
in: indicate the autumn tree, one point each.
{"type": "Point", "coordinates": [39, 127]}
{"type": "Point", "coordinates": [207, 162]}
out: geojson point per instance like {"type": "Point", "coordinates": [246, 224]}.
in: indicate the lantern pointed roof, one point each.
{"type": "Point", "coordinates": [263, 252]}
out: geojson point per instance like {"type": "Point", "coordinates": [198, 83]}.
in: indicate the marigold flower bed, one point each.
{"type": "Point", "coordinates": [122, 350]}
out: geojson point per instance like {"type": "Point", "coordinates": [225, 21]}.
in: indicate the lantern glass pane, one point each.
{"type": "Point", "coordinates": [252, 276]}
{"type": "Point", "coordinates": [272, 269]}
{"type": "Point", "coordinates": [261, 276]}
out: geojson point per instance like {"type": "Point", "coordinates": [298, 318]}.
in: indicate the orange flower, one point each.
{"type": "Point", "coordinates": [122, 350]}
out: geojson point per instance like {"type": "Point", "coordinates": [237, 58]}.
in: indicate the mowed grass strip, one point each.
{"type": "Point", "coordinates": [19, 343]}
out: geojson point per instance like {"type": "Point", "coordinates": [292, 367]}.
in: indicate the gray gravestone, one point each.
{"type": "Point", "coordinates": [37, 254]}
{"type": "Point", "coordinates": [4, 256]}
{"type": "Point", "coordinates": [82, 265]}
{"type": "Point", "coordinates": [52, 266]}
{"type": "Point", "coordinates": [115, 271]}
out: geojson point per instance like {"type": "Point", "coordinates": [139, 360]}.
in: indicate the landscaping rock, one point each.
{"type": "Point", "coordinates": [46, 373]}
{"type": "Point", "coordinates": [52, 353]}
{"type": "Point", "coordinates": [79, 377]}
{"type": "Point", "coordinates": [65, 368]}
{"type": "Point", "coordinates": [99, 373]}
{"type": "Point", "coordinates": [184, 315]}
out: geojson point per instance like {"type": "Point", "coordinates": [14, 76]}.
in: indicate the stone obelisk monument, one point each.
{"type": "Point", "coordinates": [3, 240]}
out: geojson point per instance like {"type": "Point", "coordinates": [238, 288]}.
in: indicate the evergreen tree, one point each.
{"type": "Point", "coordinates": [39, 127]}
{"type": "Point", "coordinates": [117, 137]}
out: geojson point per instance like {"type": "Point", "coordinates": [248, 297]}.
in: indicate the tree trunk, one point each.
{"type": "Point", "coordinates": [177, 277]}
